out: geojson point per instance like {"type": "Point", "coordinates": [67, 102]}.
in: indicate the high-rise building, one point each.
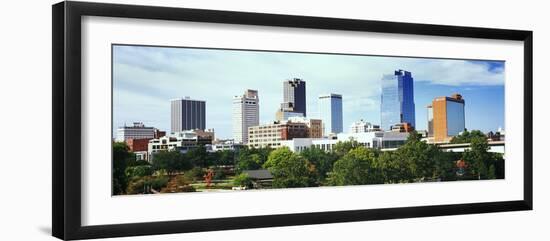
{"type": "Point", "coordinates": [295, 95]}
{"type": "Point", "coordinates": [136, 131]}
{"type": "Point", "coordinates": [187, 114]}
{"type": "Point", "coordinates": [330, 112]}
{"type": "Point", "coordinates": [430, 121]}
{"type": "Point", "coordinates": [448, 117]}
{"type": "Point", "coordinates": [246, 113]}
{"type": "Point", "coordinates": [397, 100]}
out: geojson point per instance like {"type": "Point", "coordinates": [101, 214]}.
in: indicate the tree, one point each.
{"type": "Point", "coordinates": [445, 165]}
{"type": "Point", "coordinates": [419, 157]}
{"type": "Point", "coordinates": [323, 161]}
{"type": "Point", "coordinates": [357, 167]}
{"type": "Point", "coordinates": [171, 162]}
{"type": "Point", "coordinates": [225, 157]}
{"type": "Point", "coordinates": [392, 169]}
{"type": "Point", "coordinates": [252, 158]}
{"type": "Point", "coordinates": [478, 158]}
{"type": "Point", "coordinates": [194, 174]}
{"type": "Point", "coordinates": [198, 156]}
{"type": "Point", "coordinates": [121, 157]}
{"type": "Point", "coordinates": [242, 180]}
{"type": "Point", "coordinates": [343, 147]}
{"type": "Point", "coordinates": [250, 162]}
{"type": "Point", "coordinates": [467, 136]}
{"type": "Point", "coordinates": [289, 169]}
{"type": "Point", "coordinates": [138, 171]}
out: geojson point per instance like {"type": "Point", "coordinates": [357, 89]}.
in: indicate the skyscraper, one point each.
{"type": "Point", "coordinates": [246, 113]}
{"type": "Point", "coordinates": [447, 117]}
{"type": "Point", "coordinates": [187, 114]}
{"type": "Point", "coordinates": [295, 95]}
{"type": "Point", "coordinates": [397, 100]}
{"type": "Point", "coordinates": [330, 112]}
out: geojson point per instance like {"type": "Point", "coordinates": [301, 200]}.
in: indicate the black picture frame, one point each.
{"type": "Point", "coordinates": [66, 75]}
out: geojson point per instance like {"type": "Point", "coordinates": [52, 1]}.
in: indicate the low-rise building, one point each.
{"type": "Point", "coordinates": [378, 140]}
{"type": "Point", "coordinates": [136, 131]}
{"type": "Point", "coordinates": [179, 141]}
{"type": "Point", "coordinates": [315, 126]}
{"type": "Point", "coordinates": [402, 127]}
{"type": "Point", "coordinates": [271, 135]}
{"type": "Point", "coordinates": [363, 126]}
{"type": "Point", "coordinates": [222, 145]}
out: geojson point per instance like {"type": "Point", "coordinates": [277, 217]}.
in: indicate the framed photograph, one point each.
{"type": "Point", "coordinates": [170, 120]}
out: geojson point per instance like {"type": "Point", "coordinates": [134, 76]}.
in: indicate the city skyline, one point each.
{"type": "Point", "coordinates": [146, 78]}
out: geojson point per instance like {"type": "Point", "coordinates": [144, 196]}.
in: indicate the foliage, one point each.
{"type": "Point", "coordinates": [145, 184]}
{"type": "Point", "coordinates": [467, 136]}
{"type": "Point", "coordinates": [171, 162]}
{"type": "Point", "coordinates": [252, 158]}
{"type": "Point", "coordinates": [194, 174]}
{"type": "Point", "coordinates": [419, 157]}
{"type": "Point", "coordinates": [139, 171]}
{"type": "Point", "coordinates": [133, 162]}
{"type": "Point", "coordinates": [357, 167]}
{"type": "Point", "coordinates": [479, 159]}
{"type": "Point", "coordinates": [242, 180]}
{"type": "Point", "coordinates": [343, 147]}
{"type": "Point", "coordinates": [121, 157]}
{"type": "Point", "coordinates": [321, 160]}
{"type": "Point", "coordinates": [219, 173]}
{"type": "Point", "coordinates": [199, 157]}
{"type": "Point", "coordinates": [225, 157]}
{"type": "Point", "coordinates": [290, 169]}
{"type": "Point", "coordinates": [250, 162]}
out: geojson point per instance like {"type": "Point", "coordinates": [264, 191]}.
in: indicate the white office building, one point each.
{"type": "Point", "coordinates": [363, 126]}
{"type": "Point", "coordinates": [330, 112]}
{"type": "Point", "coordinates": [246, 113]}
{"type": "Point", "coordinates": [181, 141]}
{"type": "Point", "coordinates": [136, 131]}
{"type": "Point", "coordinates": [378, 140]}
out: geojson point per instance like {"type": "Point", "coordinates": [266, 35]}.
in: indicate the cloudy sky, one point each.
{"type": "Point", "coordinates": [146, 78]}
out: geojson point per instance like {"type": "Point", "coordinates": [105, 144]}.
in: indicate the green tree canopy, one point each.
{"type": "Point", "coordinates": [171, 162]}
{"type": "Point", "coordinates": [419, 157]}
{"type": "Point", "coordinates": [467, 136]}
{"type": "Point", "coordinates": [121, 157]}
{"type": "Point", "coordinates": [343, 147]}
{"type": "Point", "coordinates": [290, 169]}
{"type": "Point", "coordinates": [479, 159]}
{"type": "Point", "coordinates": [322, 160]}
{"type": "Point", "coordinates": [242, 180]}
{"type": "Point", "coordinates": [357, 167]}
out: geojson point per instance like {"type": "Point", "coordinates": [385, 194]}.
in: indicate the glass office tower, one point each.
{"type": "Point", "coordinates": [330, 112]}
{"type": "Point", "coordinates": [397, 100]}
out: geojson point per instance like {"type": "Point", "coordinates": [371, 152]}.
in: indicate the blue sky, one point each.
{"type": "Point", "coordinates": [146, 78]}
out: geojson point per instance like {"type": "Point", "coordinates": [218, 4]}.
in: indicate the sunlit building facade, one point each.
{"type": "Point", "coordinates": [448, 117]}
{"type": "Point", "coordinates": [246, 113]}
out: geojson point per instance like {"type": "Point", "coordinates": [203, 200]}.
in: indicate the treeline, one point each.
{"type": "Point", "coordinates": [131, 176]}
{"type": "Point", "coordinates": [352, 164]}
{"type": "Point", "coordinates": [348, 163]}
